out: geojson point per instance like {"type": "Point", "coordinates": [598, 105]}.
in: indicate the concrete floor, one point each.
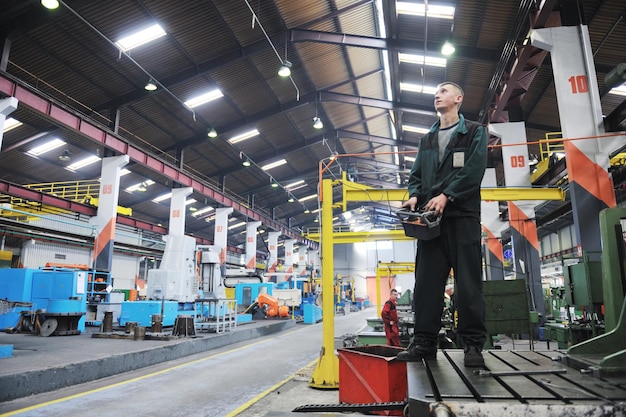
{"type": "Point", "coordinates": [265, 372]}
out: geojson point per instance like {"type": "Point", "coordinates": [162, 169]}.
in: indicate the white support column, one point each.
{"type": "Point", "coordinates": [251, 243]}
{"type": "Point", "coordinates": [220, 233]}
{"type": "Point", "coordinates": [272, 243]}
{"type": "Point", "coordinates": [289, 259]}
{"type": "Point", "coordinates": [580, 112]}
{"type": "Point", "coordinates": [176, 278]}
{"type": "Point", "coordinates": [521, 213]}
{"type": "Point", "coordinates": [492, 227]}
{"type": "Point", "coordinates": [7, 106]}
{"type": "Point", "coordinates": [177, 210]}
{"type": "Point", "coordinates": [302, 262]}
{"type": "Point", "coordinates": [107, 211]}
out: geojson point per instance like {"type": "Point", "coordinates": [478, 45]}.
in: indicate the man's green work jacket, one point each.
{"type": "Point", "coordinates": [460, 172]}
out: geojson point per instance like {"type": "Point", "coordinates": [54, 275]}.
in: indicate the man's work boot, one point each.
{"type": "Point", "coordinates": [418, 351]}
{"type": "Point", "coordinates": [473, 357]}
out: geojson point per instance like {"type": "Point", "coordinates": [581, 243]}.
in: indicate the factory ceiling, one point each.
{"type": "Point", "coordinates": [363, 67]}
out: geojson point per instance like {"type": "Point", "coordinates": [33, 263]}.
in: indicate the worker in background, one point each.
{"type": "Point", "coordinates": [448, 296]}
{"type": "Point", "coordinates": [389, 314]}
{"type": "Point", "coordinates": [446, 178]}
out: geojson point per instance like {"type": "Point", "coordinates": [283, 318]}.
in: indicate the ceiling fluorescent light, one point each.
{"type": "Point", "coordinates": [415, 129]}
{"type": "Point", "coordinates": [124, 171]}
{"type": "Point", "coordinates": [274, 164]}
{"type": "Point", "coordinates": [620, 91]}
{"type": "Point", "coordinates": [308, 197]}
{"type": "Point", "coordinates": [294, 184]}
{"type": "Point", "coordinates": [83, 162]}
{"type": "Point", "coordinates": [141, 37]}
{"type": "Point", "coordinates": [11, 123]}
{"type": "Point", "coordinates": [204, 98]}
{"type": "Point", "coordinates": [432, 61]}
{"type": "Point", "coordinates": [140, 186]}
{"type": "Point", "coordinates": [162, 197]}
{"type": "Point", "coordinates": [202, 211]}
{"type": "Point", "coordinates": [243, 136]}
{"type": "Point", "coordinates": [236, 225]}
{"type": "Point", "coordinates": [418, 88]}
{"type": "Point", "coordinates": [419, 9]}
{"type": "Point", "coordinates": [409, 158]}
{"type": "Point", "coordinates": [46, 147]}
{"type": "Point", "coordinates": [190, 201]}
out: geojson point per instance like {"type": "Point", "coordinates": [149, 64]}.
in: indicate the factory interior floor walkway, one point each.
{"type": "Point", "coordinates": [208, 375]}
{"type": "Point", "coordinates": [261, 369]}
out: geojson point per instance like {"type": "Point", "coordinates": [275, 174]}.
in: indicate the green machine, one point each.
{"type": "Point", "coordinates": [582, 298]}
{"type": "Point", "coordinates": [606, 353]}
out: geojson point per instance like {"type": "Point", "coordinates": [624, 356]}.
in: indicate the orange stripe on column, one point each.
{"type": "Point", "coordinates": [251, 264]}
{"type": "Point", "coordinates": [526, 227]}
{"type": "Point", "coordinates": [494, 245]}
{"type": "Point", "coordinates": [106, 235]}
{"type": "Point", "coordinates": [589, 175]}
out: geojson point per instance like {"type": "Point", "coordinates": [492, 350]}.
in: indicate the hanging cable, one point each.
{"type": "Point", "coordinates": [193, 113]}
{"type": "Point", "coordinates": [255, 17]}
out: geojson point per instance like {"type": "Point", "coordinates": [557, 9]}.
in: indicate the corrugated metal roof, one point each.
{"type": "Point", "coordinates": [338, 73]}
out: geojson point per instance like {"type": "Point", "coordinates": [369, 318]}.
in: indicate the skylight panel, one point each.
{"type": "Point", "coordinates": [46, 147]}
{"type": "Point", "coordinates": [141, 37]}
{"type": "Point", "coordinates": [419, 9]}
{"type": "Point", "coordinates": [415, 129]}
{"type": "Point", "coordinates": [418, 88]}
{"type": "Point", "coordinates": [432, 61]}
{"type": "Point", "coordinates": [11, 123]}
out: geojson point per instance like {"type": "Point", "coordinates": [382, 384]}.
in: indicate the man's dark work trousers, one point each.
{"type": "Point", "coordinates": [458, 247]}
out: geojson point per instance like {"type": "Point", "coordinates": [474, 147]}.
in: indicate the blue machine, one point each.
{"type": "Point", "coordinates": [141, 312]}
{"type": "Point", "coordinates": [246, 293]}
{"type": "Point", "coordinates": [55, 293]}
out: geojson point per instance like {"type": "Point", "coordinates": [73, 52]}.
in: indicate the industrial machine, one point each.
{"type": "Point", "coordinates": [188, 279]}
{"type": "Point", "coordinates": [266, 306]}
{"type": "Point", "coordinates": [176, 278]}
{"type": "Point", "coordinates": [46, 301]}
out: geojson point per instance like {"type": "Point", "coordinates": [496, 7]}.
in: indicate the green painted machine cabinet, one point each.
{"type": "Point", "coordinates": [506, 307]}
{"type": "Point", "coordinates": [583, 284]}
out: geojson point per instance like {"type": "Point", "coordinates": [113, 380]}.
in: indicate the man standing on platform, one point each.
{"type": "Point", "coordinates": [445, 179]}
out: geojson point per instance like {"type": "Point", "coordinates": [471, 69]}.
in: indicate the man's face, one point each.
{"type": "Point", "coordinates": [394, 295]}
{"type": "Point", "coordinates": [447, 97]}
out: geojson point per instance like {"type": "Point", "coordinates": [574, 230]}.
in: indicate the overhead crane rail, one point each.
{"type": "Point", "coordinates": [355, 192]}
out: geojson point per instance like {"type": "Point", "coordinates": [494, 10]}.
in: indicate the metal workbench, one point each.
{"type": "Point", "coordinates": [512, 384]}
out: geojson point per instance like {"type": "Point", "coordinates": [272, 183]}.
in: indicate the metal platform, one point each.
{"type": "Point", "coordinates": [513, 383]}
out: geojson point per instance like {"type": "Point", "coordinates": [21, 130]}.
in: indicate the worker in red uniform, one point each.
{"type": "Point", "coordinates": [389, 314]}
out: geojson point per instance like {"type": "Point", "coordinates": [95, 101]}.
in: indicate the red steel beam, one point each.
{"type": "Point", "coordinates": [65, 117]}
{"type": "Point", "coordinates": [525, 67]}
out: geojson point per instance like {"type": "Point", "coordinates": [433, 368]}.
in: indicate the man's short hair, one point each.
{"type": "Point", "coordinates": [458, 87]}
{"type": "Point", "coordinates": [393, 290]}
